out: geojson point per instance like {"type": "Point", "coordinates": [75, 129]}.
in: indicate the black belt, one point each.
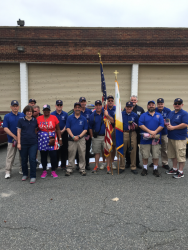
{"type": "Point", "coordinates": [127, 131]}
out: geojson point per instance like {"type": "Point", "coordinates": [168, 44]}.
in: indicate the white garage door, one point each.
{"type": "Point", "coordinates": [48, 83]}
{"type": "Point", "coordinates": [168, 82]}
{"type": "Point", "coordinates": [9, 85]}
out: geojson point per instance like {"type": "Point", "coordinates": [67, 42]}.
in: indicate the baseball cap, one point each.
{"type": "Point", "coordinates": [59, 102]}
{"type": "Point", "coordinates": [129, 104]}
{"type": "Point", "coordinates": [98, 102]}
{"type": "Point", "coordinates": [82, 99]}
{"type": "Point", "coordinates": [32, 100]}
{"type": "Point", "coordinates": [77, 103]}
{"type": "Point", "coordinates": [14, 102]}
{"type": "Point", "coordinates": [178, 100]}
{"type": "Point", "coordinates": [46, 106]}
{"type": "Point", "coordinates": [151, 101]}
{"type": "Point", "coordinates": [160, 100]}
{"type": "Point", "coordinates": [110, 96]}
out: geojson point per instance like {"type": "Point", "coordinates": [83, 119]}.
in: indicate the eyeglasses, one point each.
{"type": "Point", "coordinates": [177, 103]}
{"type": "Point", "coordinates": [59, 104]}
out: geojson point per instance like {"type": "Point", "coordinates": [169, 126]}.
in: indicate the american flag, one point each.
{"type": "Point", "coordinates": [108, 126]}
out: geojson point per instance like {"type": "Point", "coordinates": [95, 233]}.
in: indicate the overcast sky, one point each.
{"type": "Point", "coordinates": [95, 13]}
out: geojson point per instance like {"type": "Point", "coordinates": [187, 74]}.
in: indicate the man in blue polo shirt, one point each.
{"type": "Point", "coordinates": [111, 111]}
{"type": "Point", "coordinates": [177, 132]}
{"type": "Point", "coordinates": [62, 117]}
{"type": "Point", "coordinates": [77, 128]}
{"type": "Point", "coordinates": [129, 132]}
{"type": "Point", "coordinates": [164, 139]}
{"type": "Point", "coordinates": [151, 123]}
{"type": "Point", "coordinates": [10, 127]}
{"type": "Point", "coordinates": [97, 133]}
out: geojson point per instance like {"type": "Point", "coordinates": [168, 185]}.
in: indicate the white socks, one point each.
{"type": "Point", "coordinates": [155, 167]}
{"type": "Point", "coordinates": [145, 166]}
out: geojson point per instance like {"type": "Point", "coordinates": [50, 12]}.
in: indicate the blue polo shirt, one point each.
{"type": "Point", "coordinates": [62, 117]}
{"type": "Point", "coordinates": [76, 125]}
{"type": "Point", "coordinates": [152, 123]}
{"type": "Point", "coordinates": [28, 135]}
{"type": "Point", "coordinates": [86, 113]}
{"type": "Point", "coordinates": [129, 117]}
{"type": "Point", "coordinates": [10, 121]}
{"type": "Point", "coordinates": [97, 124]}
{"type": "Point", "coordinates": [176, 119]}
{"type": "Point", "coordinates": [164, 114]}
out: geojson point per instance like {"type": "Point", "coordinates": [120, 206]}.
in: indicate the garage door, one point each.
{"type": "Point", "coordinates": [168, 82]}
{"type": "Point", "coordinates": [47, 83]}
{"type": "Point", "coordinates": [9, 85]}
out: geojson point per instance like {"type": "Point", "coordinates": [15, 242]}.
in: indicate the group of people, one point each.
{"type": "Point", "coordinates": [159, 131]}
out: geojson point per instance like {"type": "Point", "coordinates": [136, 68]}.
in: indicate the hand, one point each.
{"type": "Point", "coordinates": [106, 113]}
{"type": "Point", "coordinates": [19, 146]}
{"type": "Point", "coordinates": [15, 138]}
{"type": "Point", "coordinates": [153, 134]}
{"type": "Point", "coordinates": [76, 138]}
{"type": "Point", "coordinates": [60, 142]}
{"type": "Point", "coordinates": [170, 127]}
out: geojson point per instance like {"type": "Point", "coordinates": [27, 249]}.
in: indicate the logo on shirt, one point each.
{"type": "Point", "coordinates": [63, 118]}
{"type": "Point", "coordinates": [178, 116]}
{"type": "Point", "coordinates": [138, 112]}
{"type": "Point", "coordinates": [87, 115]}
{"type": "Point", "coordinates": [158, 116]}
{"type": "Point", "coordinates": [132, 118]}
{"type": "Point", "coordinates": [80, 122]}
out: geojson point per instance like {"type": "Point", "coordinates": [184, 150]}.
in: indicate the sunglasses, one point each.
{"type": "Point", "coordinates": [59, 104]}
{"type": "Point", "coordinates": [177, 103]}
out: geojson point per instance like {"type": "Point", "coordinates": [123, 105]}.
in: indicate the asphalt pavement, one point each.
{"type": "Point", "coordinates": [78, 212]}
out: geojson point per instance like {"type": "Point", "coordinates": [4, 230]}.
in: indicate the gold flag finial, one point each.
{"type": "Point", "coordinates": [116, 74]}
{"type": "Point", "coordinates": [99, 55]}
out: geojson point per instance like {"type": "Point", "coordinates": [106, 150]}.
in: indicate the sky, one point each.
{"type": "Point", "coordinates": [95, 13]}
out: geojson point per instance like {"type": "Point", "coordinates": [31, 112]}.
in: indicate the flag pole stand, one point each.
{"type": "Point", "coordinates": [118, 162]}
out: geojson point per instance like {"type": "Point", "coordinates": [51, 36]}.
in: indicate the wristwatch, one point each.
{"type": "Point", "coordinates": [60, 139]}
{"type": "Point", "coordinates": [78, 136]}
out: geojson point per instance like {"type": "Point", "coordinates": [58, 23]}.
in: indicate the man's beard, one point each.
{"type": "Point", "coordinates": [151, 109]}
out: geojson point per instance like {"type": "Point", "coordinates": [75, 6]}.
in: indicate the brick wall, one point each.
{"type": "Point", "coordinates": [81, 45]}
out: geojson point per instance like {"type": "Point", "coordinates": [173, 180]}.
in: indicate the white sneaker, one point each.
{"type": "Point", "coordinates": [102, 166]}
{"type": "Point", "coordinates": [7, 175]}
{"type": "Point", "coordinates": [113, 166]}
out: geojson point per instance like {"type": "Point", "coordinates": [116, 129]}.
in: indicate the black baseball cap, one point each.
{"type": "Point", "coordinates": [32, 100]}
{"type": "Point", "coordinates": [178, 100]}
{"type": "Point", "coordinates": [151, 101]}
{"type": "Point", "coordinates": [129, 104]}
{"type": "Point", "coordinates": [98, 102]}
{"type": "Point", "coordinates": [14, 102]}
{"type": "Point", "coordinates": [59, 102]}
{"type": "Point", "coordinates": [46, 106]}
{"type": "Point", "coordinates": [82, 99]}
{"type": "Point", "coordinates": [160, 100]}
{"type": "Point", "coordinates": [110, 96]}
{"type": "Point", "coordinates": [77, 103]}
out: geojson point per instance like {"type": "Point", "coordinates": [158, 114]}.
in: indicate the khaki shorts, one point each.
{"type": "Point", "coordinates": [98, 144]}
{"type": "Point", "coordinates": [146, 149]}
{"type": "Point", "coordinates": [114, 137]}
{"type": "Point", "coordinates": [177, 149]}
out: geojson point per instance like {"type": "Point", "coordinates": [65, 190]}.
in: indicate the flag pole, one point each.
{"type": "Point", "coordinates": [117, 152]}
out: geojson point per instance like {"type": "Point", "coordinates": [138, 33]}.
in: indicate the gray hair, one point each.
{"type": "Point", "coordinates": [135, 96]}
{"type": "Point", "coordinates": [36, 107]}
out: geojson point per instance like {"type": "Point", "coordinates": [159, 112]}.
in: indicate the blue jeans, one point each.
{"type": "Point", "coordinates": [31, 151]}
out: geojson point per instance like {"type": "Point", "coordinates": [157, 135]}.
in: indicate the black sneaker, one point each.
{"type": "Point", "coordinates": [172, 171]}
{"type": "Point", "coordinates": [156, 173]}
{"type": "Point", "coordinates": [151, 165]}
{"type": "Point", "coordinates": [166, 167]}
{"type": "Point", "coordinates": [87, 168]}
{"type": "Point", "coordinates": [178, 175]}
{"type": "Point", "coordinates": [121, 171]}
{"type": "Point", "coordinates": [144, 172]}
{"type": "Point", "coordinates": [134, 171]}
{"type": "Point", "coordinates": [67, 174]}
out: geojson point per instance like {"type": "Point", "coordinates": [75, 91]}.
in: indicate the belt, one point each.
{"type": "Point", "coordinates": [127, 131]}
